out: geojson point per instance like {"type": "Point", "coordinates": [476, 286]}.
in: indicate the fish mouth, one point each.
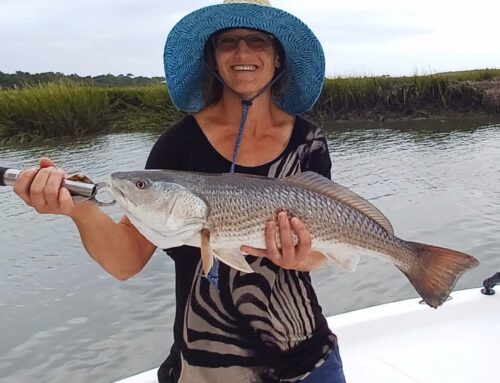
{"type": "Point", "coordinates": [118, 191]}
{"type": "Point", "coordinates": [119, 196]}
{"type": "Point", "coordinates": [115, 190]}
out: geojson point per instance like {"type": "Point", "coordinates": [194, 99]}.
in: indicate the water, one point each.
{"type": "Point", "coordinates": [64, 319]}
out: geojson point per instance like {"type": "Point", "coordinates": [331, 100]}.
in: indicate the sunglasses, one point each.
{"type": "Point", "coordinates": [256, 41]}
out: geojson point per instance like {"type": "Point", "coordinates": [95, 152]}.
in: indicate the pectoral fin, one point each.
{"type": "Point", "coordinates": [346, 258]}
{"type": "Point", "coordinates": [233, 258]}
{"type": "Point", "coordinates": [207, 257]}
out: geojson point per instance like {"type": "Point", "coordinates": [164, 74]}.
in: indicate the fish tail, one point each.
{"type": "Point", "coordinates": [437, 271]}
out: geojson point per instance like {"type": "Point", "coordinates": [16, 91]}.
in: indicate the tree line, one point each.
{"type": "Point", "coordinates": [23, 79]}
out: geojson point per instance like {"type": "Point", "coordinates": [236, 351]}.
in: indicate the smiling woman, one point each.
{"type": "Point", "coordinates": [258, 79]}
{"type": "Point", "coordinates": [230, 42]}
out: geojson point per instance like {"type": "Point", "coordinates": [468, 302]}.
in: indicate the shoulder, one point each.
{"type": "Point", "coordinates": [309, 133]}
{"type": "Point", "coordinates": [315, 147]}
{"type": "Point", "coordinates": [178, 131]}
{"type": "Point", "coordinates": [167, 150]}
{"type": "Point", "coordinates": [308, 130]}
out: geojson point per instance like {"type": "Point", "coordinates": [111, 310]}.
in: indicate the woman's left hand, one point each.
{"type": "Point", "coordinates": [297, 257]}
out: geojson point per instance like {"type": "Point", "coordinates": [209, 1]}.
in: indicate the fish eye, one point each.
{"type": "Point", "coordinates": [141, 184]}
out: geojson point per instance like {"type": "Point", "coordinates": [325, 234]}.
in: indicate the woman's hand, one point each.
{"type": "Point", "coordinates": [118, 247]}
{"type": "Point", "coordinates": [41, 189]}
{"type": "Point", "coordinates": [297, 257]}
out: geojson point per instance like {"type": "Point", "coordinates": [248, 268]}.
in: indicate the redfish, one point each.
{"type": "Point", "coordinates": [221, 212]}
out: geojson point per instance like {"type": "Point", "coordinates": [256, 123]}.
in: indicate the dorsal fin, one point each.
{"type": "Point", "coordinates": [319, 184]}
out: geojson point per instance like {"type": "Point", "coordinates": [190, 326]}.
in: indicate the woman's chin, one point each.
{"type": "Point", "coordinates": [248, 91]}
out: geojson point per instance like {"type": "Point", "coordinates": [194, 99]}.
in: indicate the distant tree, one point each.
{"type": "Point", "coordinates": [21, 79]}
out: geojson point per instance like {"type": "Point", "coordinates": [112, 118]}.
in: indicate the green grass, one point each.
{"type": "Point", "coordinates": [53, 110]}
{"type": "Point", "coordinates": [141, 108]}
{"type": "Point", "coordinates": [472, 75]}
{"type": "Point", "coordinates": [444, 91]}
{"type": "Point", "coordinates": [65, 109]}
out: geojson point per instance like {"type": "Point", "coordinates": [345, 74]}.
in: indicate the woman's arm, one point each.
{"type": "Point", "coordinates": [118, 247]}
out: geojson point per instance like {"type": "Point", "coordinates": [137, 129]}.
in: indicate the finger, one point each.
{"type": "Point", "coordinates": [287, 245]}
{"type": "Point", "coordinates": [53, 188]}
{"type": "Point", "coordinates": [302, 233]}
{"type": "Point", "coordinates": [304, 246]}
{"type": "Point", "coordinates": [253, 251]}
{"type": "Point", "coordinates": [37, 196]}
{"type": "Point", "coordinates": [23, 184]}
{"type": "Point", "coordinates": [46, 162]}
{"type": "Point", "coordinates": [273, 253]}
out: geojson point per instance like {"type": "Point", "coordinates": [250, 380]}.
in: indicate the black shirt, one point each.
{"type": "Point", "coordinates": [261, 327]}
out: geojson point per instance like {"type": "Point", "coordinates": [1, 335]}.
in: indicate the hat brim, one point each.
{"type": "Point", "coordinates": [186, 70]}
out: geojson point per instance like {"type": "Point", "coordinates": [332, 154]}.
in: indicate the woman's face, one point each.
{"type": "Point", "coordinates": [246, 59]}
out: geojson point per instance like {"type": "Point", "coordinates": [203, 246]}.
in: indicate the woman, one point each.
{"type": "Point", "coordinates": [246, 71]}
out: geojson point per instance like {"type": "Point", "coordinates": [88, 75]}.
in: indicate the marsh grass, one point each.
{"type": "Point", "coordinates": [65, 109]}
{"type": "Point", "coordinates": [52, 110]}
{"type": "Point", "coordinates": [141, 108]}
{"type": "Point", "coordinates": [455, 91]}
{"type": "Point", "coordinates": [471, 75]}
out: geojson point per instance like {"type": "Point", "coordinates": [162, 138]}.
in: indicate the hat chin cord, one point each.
{"type": "Point", "coordinates": [245, 104]}
{"type": "Point", "coordinates": [213, 274]}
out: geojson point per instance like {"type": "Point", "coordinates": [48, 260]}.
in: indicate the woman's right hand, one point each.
{"type": "Point", "coordinates": [118, 247]}
{"type": "Point", "coordinates": [41, 189]}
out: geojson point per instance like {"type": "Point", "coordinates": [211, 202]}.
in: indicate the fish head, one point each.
{"type": "Point", "coordinates": [157, 202]}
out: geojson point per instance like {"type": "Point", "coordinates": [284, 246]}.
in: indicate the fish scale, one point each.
{"type": "Point", "coordinates": [221, 212]}
{"type": "Point", "coordinates": [247, 219]}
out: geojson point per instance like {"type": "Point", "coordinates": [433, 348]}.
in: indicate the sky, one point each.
{"type": "Point", "coordinates": [359, 37]}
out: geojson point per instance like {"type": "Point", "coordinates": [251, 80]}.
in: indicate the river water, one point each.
{"type": "Point", "coordinates": [64, 319]}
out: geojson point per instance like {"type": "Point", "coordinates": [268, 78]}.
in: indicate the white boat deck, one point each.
{"type": "Point", "coordinates": [405, 342]}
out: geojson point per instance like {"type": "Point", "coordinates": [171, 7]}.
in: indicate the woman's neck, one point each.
{"type": "Point", "coordinates": [261, 114]}
{"type": "Point", "coordinates": [267, 130]}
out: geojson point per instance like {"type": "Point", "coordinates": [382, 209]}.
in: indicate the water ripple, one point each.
{"type": "Point", "coordinates": [64, 316]}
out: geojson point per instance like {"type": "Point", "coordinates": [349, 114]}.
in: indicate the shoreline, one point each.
{"type": "Point", "coordinates": [381, 117]}
{"type": "Point", "coordinates": [401, 102]}
{"type": "Point", "coordinates": [34, 113]}
{"type": "Point", "coordinates": [481, 118]}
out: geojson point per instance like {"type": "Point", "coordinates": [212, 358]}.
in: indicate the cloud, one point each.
{"type": "Point", "coordinates": [127, 36]}
{"type": "Point", "coordinates": [90, 37]}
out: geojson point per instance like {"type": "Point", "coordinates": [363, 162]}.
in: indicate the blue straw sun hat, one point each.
{"type": "Point", "coordinates": [186, 70]}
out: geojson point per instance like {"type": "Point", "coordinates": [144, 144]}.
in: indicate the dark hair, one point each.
{"type": "Point", "coordinates": [212, 88]}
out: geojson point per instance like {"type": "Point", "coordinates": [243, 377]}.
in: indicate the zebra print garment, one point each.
{"type": "Point", "coordinates": [261, 327]}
